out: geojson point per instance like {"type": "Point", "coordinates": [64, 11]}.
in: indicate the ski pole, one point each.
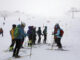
{"type": "Point", "coordinates": [30, 51]}
{"type": "Point", "coordinates": [31, 48]}
{"type": "Point", "coordinates": [52, 43]}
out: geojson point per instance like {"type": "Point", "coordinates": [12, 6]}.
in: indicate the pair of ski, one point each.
{"type": "Point", "coordinates": [13, 58]}
{"type": "Point", "coordinates": [59, 49]}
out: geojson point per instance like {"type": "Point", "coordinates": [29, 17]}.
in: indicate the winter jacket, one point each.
{"type": "Point", "coordinates": [30, 33]}
{"type": "Point", "coordinates": [12, 33]}
{"type": "Point", "coordinates": [22, 34]}
{"type": "Point", "coordinates": [45, 32]}
{"type": "Point", "coordinates": [1, 30]}
{"type": "Point", "coordinates": [57, 33]}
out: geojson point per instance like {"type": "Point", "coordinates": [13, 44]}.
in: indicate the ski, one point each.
{"type": "Point", "coordinates": [7, 51]}
{"type": "Point", "coordinates": [11, 58]}
{"type": "Point", "coordinates": [56, 49]}
{"type": "Point", "coordinates": [50, 49]}
{"type": "Point", "coordinates": [60, 49]}
{"type": "Point", "coordinates": [25, 56]}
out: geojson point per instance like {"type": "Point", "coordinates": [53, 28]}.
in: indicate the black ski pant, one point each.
{"type": "Point", "coordinates": [34, 40]}
{"type": "Point", "coordinates": [13, 42]}
{"type": "Point", "coordinates": [39, 39]}
{"type": "Point", "coordinates": [17, 47]}
{"type": "Point", "coordinates": [45, 37]}
{"type": "Point", "coordinates": [58, 42]}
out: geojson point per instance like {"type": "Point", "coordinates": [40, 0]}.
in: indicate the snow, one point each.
{"type": "Point", "coordinates": [70, 40]}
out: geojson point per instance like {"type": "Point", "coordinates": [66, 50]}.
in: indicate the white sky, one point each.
{"type": "Point", "coordinates": [40, 7]}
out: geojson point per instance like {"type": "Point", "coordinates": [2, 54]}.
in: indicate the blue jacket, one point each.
{"type": "Point", "coordinates": [22, 34]}
{"type": "Point", "coordinates": [58, 33]}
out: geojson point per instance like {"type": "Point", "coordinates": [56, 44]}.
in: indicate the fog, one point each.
{"type": "Point", "coordinates": [46, 8]}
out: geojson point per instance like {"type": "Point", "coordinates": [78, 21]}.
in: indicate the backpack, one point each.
{"type": "Point", "coordinates": [61, 32]}
{"type": "Point", "coordinates": [16, 32]}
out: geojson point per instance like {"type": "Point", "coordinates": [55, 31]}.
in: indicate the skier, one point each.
{"type": "Point", "coordinates": [30, 35]}
{"type": "Point", "coordinates": [45, 34]}
{"type": "Point", "coordinates": [39, 34]}
{"type": "Point", "coordinates": [58, 33]}
{"type": "Point", "coordinates": [1, 31]}
{"type": "Point", "coordinates": [19, 34]}
{"type": "Point", "coordinates": [34, 35]}
{"type": "Point", "coordinates": [12, 36]}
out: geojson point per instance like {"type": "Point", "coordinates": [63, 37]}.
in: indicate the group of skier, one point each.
{"type": "Point", "coordinates": [18, 35]}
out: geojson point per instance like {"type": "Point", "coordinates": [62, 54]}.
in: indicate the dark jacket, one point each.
{"type": "Point", "coordinates": [39, 32]}
{"type": "Point", "coordinates": [30, 33]}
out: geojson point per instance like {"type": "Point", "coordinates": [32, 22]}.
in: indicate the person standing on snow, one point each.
{"type": "Point", "coordinates": [12, 36]}
{"type": "Point", "coordinates": [58, 33]}
{"type": "Point", "coordinates": [34, 35]}
{"type": "Point", "coordinates": [30, 35]}
{"type": "Point", "coordinates": [39, 34]}
{"type": "Point", "coordinates": [1, 31]}
{"type": "Point", "coordinates": [45, 34]}
{"type": "Point", "coordinates": [19, 34]}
